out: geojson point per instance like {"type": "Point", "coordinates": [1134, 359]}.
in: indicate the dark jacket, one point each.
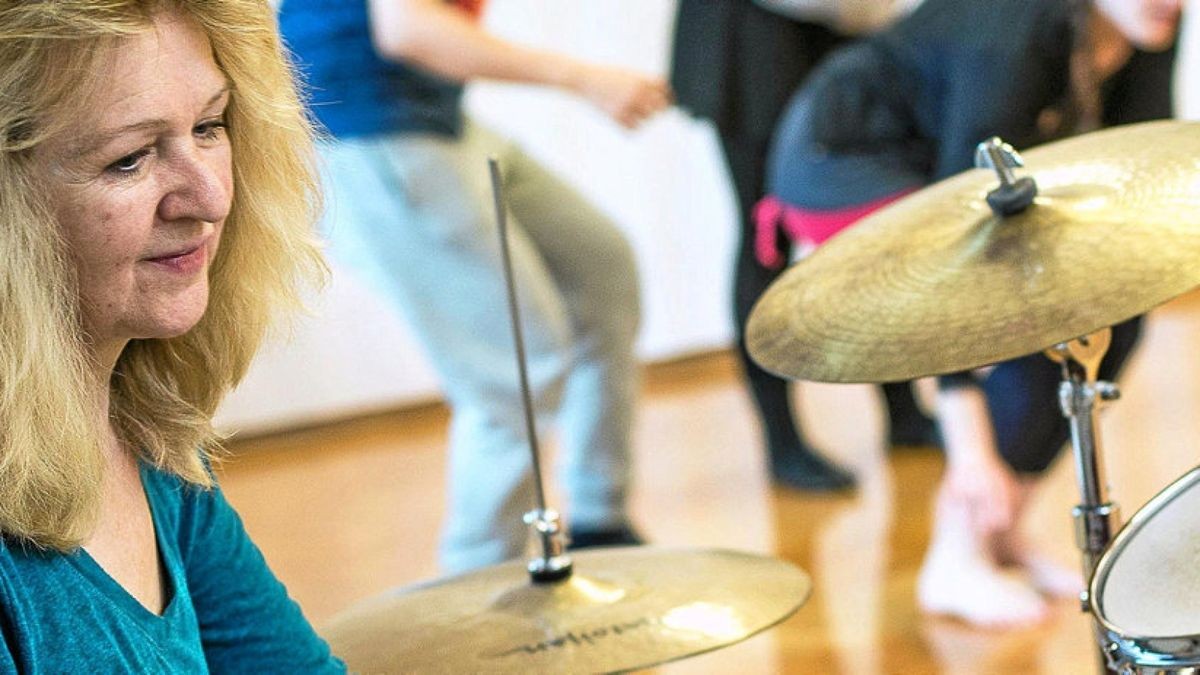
{"type": "Point", "coordinates": [738, 64]}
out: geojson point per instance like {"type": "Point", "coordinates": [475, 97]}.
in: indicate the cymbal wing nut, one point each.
{"type": "Point", "coordinates": [1014, 194]}
{"type": "Point", "coordinates": [553, 565]}
{"type": "Point", "coordinates": [1009, 200]}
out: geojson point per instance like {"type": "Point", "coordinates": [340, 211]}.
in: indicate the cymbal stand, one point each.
{"type": "Point", "coordinates": [553, 565]}
{"type": "Point", "coordinates": [1081, 395]}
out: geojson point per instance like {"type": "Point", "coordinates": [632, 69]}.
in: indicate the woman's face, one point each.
{"type": "Point", "coordinates": [1149, 25]}
{"type": "Point", "coordinates": [141, 182]}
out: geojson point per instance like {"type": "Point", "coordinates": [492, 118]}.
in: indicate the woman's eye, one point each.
{"type": "Point", "coordinates": [129, 164]}
{"type": "Point", "coordinates": [212, 130]}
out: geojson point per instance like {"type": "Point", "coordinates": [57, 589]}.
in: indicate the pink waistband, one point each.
{"type": "Point", "coordinates": [805, 225]}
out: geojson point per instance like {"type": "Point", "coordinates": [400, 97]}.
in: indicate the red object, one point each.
{"type": "Point", "coordinates": [806, 225]}
{"type": "Point", "coordinates": [472, 7]}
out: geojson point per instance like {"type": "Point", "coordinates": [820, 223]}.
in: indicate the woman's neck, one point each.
{"type": "Point", "coordinates": [103, 366]}
{"type": "Point", "coordinates": [1110, 48]}
{"type": "Point", "coordinates": [106, 354]}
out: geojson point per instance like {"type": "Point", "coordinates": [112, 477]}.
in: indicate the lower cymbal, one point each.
{"type": "Point", "coordinates": [624, 608]}
{"type": "Point", "coordinates": [937, 283]}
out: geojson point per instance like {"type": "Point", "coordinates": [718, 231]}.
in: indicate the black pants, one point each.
{"type": "Point", "coordinates": [747, 165]}
{"type": "Point", "coordinates": [772, 395]}
{"type": "Point", "coordinates": [1022, 397]}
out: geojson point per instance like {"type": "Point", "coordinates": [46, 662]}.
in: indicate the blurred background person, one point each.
{"type": "Point", "coordinates": [907, 107]}
{"type": "Point", "coordinates": [159, 203]}
{"type": "Point", "coordinates": [737, 62]}
{"type": "Point", "coordinates": [410, 204]}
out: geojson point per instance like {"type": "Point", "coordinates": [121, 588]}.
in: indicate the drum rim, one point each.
{"type": "Point", "coordinates": [1118, 544]}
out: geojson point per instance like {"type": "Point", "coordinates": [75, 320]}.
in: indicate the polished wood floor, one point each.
{"type": "Point", "coordinates": [345, 511]}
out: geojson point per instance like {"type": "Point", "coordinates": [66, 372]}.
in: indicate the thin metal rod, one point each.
{"type": "Point", "coordinates": [518, 337]}
{"type": "Point", "coordinates": [1096, 517]}
{"type": "Point", "coordinates": [1085, 439]}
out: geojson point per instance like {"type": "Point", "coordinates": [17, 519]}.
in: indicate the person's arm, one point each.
{"type": "Point", "coordinates": [247, 621]}
{"type": "Point", "coordinates": [976, 476]}
{"type": "Point", "coordinates": [11, 661]}
{"type": "Point", "coordinates": [8, 662]}
{"type": "Point", "coordinates": [445, 41]}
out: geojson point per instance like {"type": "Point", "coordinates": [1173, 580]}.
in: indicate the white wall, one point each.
{"type": "Point", "coordinates": [1187, 75]}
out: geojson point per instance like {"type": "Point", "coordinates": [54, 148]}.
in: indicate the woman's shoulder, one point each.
{"type": "Point", "coordinates": [181, 508]}
{"type": "Point", "coordinates": [189, 514]}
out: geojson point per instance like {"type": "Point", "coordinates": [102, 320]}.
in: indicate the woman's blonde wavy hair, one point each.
{"type": "Point", "coordinates": [163, 393]}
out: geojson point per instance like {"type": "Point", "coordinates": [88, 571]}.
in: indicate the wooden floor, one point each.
{"type": "Point", "coordinates": [346, 511]}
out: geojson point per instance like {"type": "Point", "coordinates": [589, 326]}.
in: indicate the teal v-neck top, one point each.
{"type": "Point", "coordinates": [225, 611]}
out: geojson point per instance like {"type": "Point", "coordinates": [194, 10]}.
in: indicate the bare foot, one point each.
{"type": "Point", "coordinates": [959, 577]}
{"type": "Point", "coordinates": [977, 592]}
{"type": "Point", "coordinates": [1046, 574]}
{"type": "Point", "coordinates": [1051, 578]}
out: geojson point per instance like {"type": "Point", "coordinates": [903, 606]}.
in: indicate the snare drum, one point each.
{"type": "Point", "coordinates": [1145, 592]}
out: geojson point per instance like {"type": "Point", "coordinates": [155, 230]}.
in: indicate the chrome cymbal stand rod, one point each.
{"type": "Point", "coordinates": [553, 565]}
{"type": "Point", "coordinates": [1081, 395]}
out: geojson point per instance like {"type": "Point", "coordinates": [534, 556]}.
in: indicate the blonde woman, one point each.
{"type": "Point", "coordinates": [156, 196]}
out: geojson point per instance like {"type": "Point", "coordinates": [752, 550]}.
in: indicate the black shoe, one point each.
{"type": "Point", "coordinates": [919, 432]}
{"type": "Point", "coordinates": [804, 469]}
{"type": "Point", "coordinates": [616, 536]}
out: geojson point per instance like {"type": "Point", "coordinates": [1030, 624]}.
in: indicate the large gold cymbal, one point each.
{"type": "Point", "coordinates": [935, 283]}
{"type": "Point", "coordinates": [624, 608]}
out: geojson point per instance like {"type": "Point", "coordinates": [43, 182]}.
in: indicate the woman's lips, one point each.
{"type": "Point", "coordinates": [188, 261]}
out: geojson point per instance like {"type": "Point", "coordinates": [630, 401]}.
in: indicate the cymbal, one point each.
{"type": "Point", "coordinates": [935, 283]}
{"type": "Point", "coordinates": [624, 608]}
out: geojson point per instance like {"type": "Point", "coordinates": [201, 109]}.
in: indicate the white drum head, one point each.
{"type": "Point", "coordinates": [1148, 583]}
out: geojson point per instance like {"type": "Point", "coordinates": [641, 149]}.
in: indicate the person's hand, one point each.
{"type": "Point", "coordinates": [988, 491]}
{"type": "Point", "coordinates": [977, 480]}
{"type": "Point", "coordinates": [626, 96]}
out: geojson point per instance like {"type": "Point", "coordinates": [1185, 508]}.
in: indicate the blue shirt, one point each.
{"type": "Point", "coordinates": [352, 91]}
{"type": "Point", "coordinates": [225, 611]}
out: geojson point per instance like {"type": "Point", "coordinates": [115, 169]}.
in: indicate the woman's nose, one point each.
{"type": "Point", "coordinates": [199, 186]}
